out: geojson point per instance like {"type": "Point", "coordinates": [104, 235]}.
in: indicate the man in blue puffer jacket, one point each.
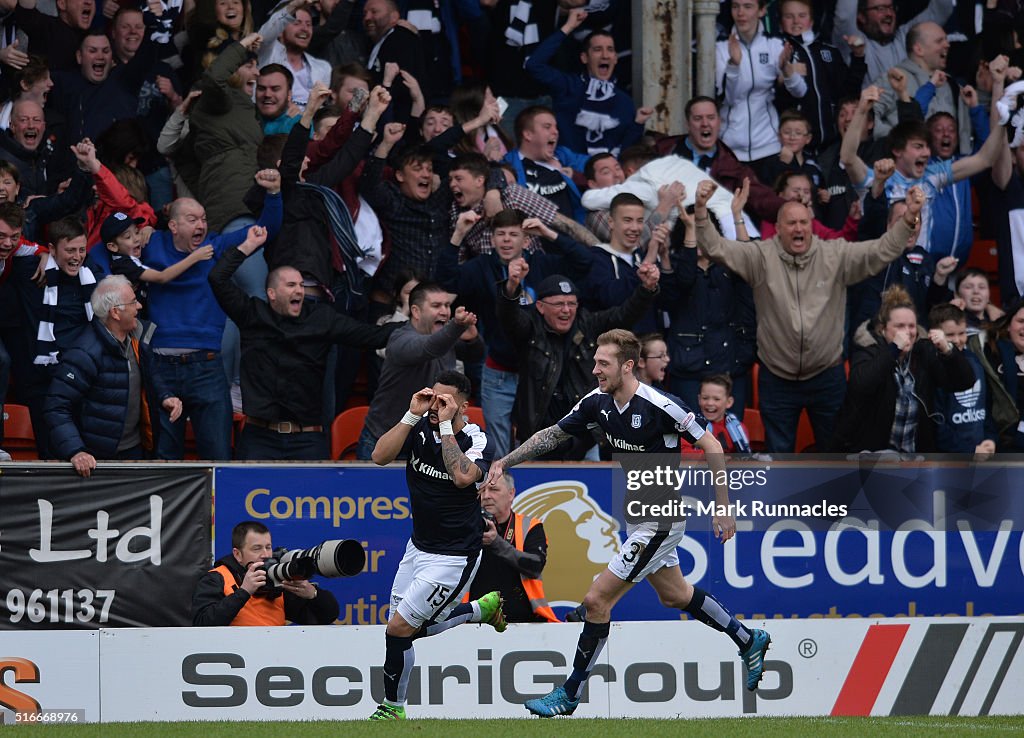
{"type": "Point", "coordinates": [99, 401]}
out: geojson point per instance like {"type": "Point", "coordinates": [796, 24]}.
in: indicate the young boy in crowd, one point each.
{"type": "Point", "coordinates": [715, 400]}
{"type": "Point", "coordinates": [123, 242]}
{"type": "Point", "coordinates": [966, 426]}
{"type": "Point", "coordinates": [794, 135]}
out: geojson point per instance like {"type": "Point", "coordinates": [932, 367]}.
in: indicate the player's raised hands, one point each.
{"type": "Point", "coordinates": [446, 407]}
{"type": "Point", "coordinates": [421, 401]}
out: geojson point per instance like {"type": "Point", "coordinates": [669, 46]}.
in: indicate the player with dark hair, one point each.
{"type": "Point", "coordinates": [447, 459]}
{"type": "Point", "coordinates": [638, 418]}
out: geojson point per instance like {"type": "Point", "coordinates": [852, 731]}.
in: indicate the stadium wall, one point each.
{"type": "Point", "coordinates": [938, 666]}
{"type": "Point", "coordinates": [126, 546]}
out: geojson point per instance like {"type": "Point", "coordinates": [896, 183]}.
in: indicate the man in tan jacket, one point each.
{"type": "Point", "coordinates": [799, 283]}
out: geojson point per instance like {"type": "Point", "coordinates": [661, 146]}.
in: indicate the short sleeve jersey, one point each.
{"type": "Point", "coordinates": [651, 422]}
{"type": "Point", "coordinates": [445, 519]}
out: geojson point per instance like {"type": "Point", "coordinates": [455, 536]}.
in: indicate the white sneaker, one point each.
{"type": "Point", "coordinates": [4, 456]}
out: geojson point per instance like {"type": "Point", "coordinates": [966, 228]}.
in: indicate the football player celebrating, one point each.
{"type": "Point", "coordinates": [447, 458]}
{"type": "Point", "coordinates": [638, 418]}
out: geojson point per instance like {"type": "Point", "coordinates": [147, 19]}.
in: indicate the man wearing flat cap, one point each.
{"type": "Point", "coordinates": [560, 339]}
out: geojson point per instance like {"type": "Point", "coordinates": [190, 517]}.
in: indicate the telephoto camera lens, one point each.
{"type": "Point", "coordinates": [338, 558]}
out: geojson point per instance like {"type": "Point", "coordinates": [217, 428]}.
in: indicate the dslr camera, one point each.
{"type": "Point", "coordinates": [338, 558]}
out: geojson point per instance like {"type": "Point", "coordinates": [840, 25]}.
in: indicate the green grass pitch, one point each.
{"type": "Point", "coordinates": [754, 727]}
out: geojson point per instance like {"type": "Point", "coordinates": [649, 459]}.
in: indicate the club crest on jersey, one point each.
{"type": "Point", "coordinates": [637, 420]}
{"type": "Point", "coordinates": [826, 56]}
{"type": "Point", "coordinates": [763, 58]}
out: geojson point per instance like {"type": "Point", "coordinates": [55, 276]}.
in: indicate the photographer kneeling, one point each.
{"type": "Point", "coordinates": [235, 592]}
{"type": "Point", "coordinates": [515, 552]}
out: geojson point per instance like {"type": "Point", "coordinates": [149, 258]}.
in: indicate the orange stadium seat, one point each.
{"type": "Point", "coordinates": [476, 416]}
{"type": "Point", "coordinates": [755, 428]}
{"type": "Point", "coordinates": [984, 256]}
{"type": "Point", "coordinates": [345, 432]}
{"type": "Point", "coordinates": [19, 440]}
{"type": "Point", "coordinates": [805, 441]}
{"type": "Point", "coordinates": [755, 397]}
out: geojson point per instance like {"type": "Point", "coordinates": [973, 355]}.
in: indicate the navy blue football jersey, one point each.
{"type": "Point", "coordinates": [445, 519]}
{"type": "Point", "coordinates": [651, 422]}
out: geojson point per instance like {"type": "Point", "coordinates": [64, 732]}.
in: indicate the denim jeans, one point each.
{"type": "Point", "coordinates": [161, 187]}
{"type": "Point", "coordinates": [203, 390]}
{"type": "Point", "coordinates": [781, 401]}
{"type": "Point", "coordinates": [497, 396]}
{"type": "Point", "coordinates": [365, 445]}
{"type": "Point", "coordinates": [251, 278]}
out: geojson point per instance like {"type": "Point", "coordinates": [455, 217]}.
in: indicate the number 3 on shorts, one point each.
{"type": "Point", "coordinates": [634, 550]}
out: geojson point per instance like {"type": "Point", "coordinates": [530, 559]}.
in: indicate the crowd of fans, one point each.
{"type": "Point", "coordinates": [474, 181]}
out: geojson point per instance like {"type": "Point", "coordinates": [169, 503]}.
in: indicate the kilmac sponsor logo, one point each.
{"type": "Point", "coordinates": [421, 467]}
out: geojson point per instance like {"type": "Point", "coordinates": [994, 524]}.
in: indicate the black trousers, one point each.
{"type": "Point", "coordinates": [263, 444]}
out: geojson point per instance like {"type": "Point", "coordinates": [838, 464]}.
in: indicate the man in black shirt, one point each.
{"type": "Point", "coordinates": [515, 552]}
{"type": "Point", "coordinates": [285, 344]}
{"type": "Point", "coordinates": [447, 458]}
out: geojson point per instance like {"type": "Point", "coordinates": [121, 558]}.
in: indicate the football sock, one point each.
{"type": "Point", "coordinates": [591, 643]}
{"type": "Point", "coordinates": [466, 612]}
{"type": "Point", "coordinates": [705, 608]}
{"type": "Point", "coordinates": [398, 662]}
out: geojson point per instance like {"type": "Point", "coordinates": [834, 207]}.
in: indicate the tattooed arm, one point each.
{"type": "Point", "coordinates": [574, 230]}
{"type": "Point", "coordinates": [539, 443]}
{"type": "Point", "coordinates": [462, 471]}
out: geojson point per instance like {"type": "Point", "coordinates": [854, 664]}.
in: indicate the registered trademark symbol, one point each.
{"type": "Point", "coordinates": [807, 648]}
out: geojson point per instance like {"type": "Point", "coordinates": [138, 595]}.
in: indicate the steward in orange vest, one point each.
{"type": "Point", "coordinates": [512, 563]}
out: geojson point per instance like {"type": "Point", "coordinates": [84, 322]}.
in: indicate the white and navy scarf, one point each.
{"type": "Point", "coordinates": [46, 342]}
{"type": "Point", "coordinates": [522, 29]}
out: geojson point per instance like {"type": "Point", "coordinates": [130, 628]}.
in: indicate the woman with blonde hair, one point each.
{"type": "Point", "coordinates": [895, 368]}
